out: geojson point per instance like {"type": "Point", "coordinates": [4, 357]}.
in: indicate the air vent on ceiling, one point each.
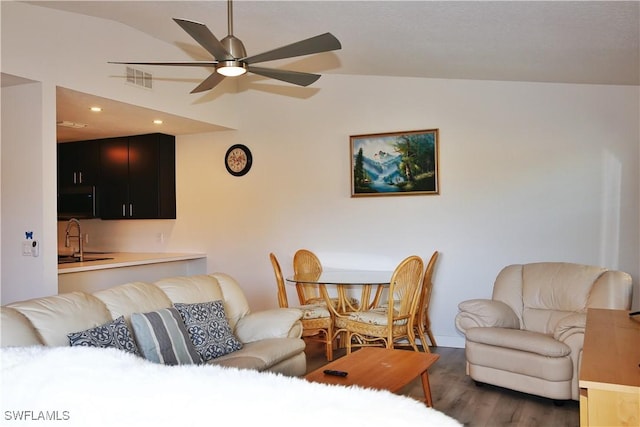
{"type": "Point", "coordinates": [139, 78]}
{"type": "Point", "coordinates": [73, 125]}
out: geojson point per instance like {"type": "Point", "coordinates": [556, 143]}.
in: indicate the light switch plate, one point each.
{"type": "Point", "coordinates": [26, 248]}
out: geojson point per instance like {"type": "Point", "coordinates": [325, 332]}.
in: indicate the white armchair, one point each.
{"type": "Point", "coordinates": [529, 336]}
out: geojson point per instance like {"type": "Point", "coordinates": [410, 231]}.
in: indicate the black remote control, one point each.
{"type": "Point", "coordinates": [335, 373]}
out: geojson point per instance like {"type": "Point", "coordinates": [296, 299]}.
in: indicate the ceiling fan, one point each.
{"type": "Point", "coordinates": [230, 57]}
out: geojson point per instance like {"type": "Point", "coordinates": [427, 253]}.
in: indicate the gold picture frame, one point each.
{"type": "Point", "coordinates": [395, 163]}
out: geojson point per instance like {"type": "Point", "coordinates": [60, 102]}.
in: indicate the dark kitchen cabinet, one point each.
{"type": "Point", "coordinates": [78, 163]}
{"type": "Point", "coordinates": [137, 177]}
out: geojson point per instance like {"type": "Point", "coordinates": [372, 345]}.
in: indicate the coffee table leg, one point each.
{"type": "Point", "coordinates": [426, 388]}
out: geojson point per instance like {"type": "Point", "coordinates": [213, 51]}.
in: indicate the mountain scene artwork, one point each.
{"type": "Point", "coordinates": [398, 163]}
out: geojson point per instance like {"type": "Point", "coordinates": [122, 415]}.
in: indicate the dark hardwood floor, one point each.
{"type": "Point", "coordinates": [455, 394]}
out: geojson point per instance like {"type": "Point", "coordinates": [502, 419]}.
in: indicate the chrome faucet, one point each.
{"type": "Point", "coordinates": [68, 236]}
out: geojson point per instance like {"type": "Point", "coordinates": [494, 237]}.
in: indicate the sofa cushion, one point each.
{"type": "Point", "coordinates": [523, 364]}
{"type": "Point", "coordinates": [532, 342]}
{"type": "Point", "coordinates": [263, 354]}
{"type": "Point", "coordinates": [209, 329]}
{"type": "Point", "coordinates": [190, 289]}
{"type": "Point", "coordinates": [135, 297]}
{"type": "Point", "coordinates": [485, 312]}
{"type": "Point", "coordinates": [551, 290]}
{"type": "Point", "coordinates": [16, 331]}
{"type": "Point", "coordinates": [163, 338]}
{"type": "Point", "coordinates": [612, 290]}
{"type": "Point", "coordinates": [274, 323]}
{"type": "Point", "coordinates": [114, 334]}
{"type": "Point", "coordinates": [575, 323]}
{"type": "Point", "coordinates": [558, 285]}
{"type": "Point", "coordinates": [56, 316]}
{"type": "Point", "coordinates": [235, 302]}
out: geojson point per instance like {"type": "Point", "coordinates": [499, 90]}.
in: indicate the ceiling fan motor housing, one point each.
{"type": "Point", "coordinates": [234, 46]}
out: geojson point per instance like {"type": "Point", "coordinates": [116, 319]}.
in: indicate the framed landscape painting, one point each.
{"type": "Point", "coordinates": [394, 164]}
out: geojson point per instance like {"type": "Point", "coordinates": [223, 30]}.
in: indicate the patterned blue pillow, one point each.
{"type": "Point", "coordinates": [114, 334]}
{"type": "Point", "coordinates": [209, 329]}
{"type": "Point", "coordinates": [163, 338]}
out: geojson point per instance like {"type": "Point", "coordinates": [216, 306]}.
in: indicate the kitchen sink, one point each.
{"type": "Point", "coordinates": [68, 259]}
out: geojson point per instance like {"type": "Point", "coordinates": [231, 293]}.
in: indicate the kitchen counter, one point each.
{"type": "Point", "coordinates": [126, 267]}
{"type": "Point", "coordinates": [125, 259]}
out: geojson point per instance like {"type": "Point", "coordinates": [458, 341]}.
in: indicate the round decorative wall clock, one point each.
{"type": "Point", "coordinates": [238, 160]}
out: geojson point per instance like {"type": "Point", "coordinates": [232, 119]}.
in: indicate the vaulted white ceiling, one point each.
{"type": "Point", "coordinates": [543, 41]}
{"type": "Point", "coordinates": [585, 42]}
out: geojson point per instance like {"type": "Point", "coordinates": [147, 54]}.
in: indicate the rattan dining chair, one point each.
{"type": "Point", "coordinates": [422, 323]}
{"type": "Point", "coordinates": [317, 323]}
{"type": "Point", "coordinates": [306, 262]}
{"type": "Point", "coordinates": [386, 325]}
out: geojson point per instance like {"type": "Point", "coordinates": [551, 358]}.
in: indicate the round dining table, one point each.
{"type": "Point", "coordinates": [344, 280]}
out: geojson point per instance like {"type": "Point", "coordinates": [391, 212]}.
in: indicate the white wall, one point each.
{"type": "Point", "coordinates": [529, 172]}
{"type": "Point", "coordinates": [27, 191]}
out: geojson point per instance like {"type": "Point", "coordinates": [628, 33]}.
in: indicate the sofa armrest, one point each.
{"type": "Point", "coordinates": [275, 323]}
{"type": "Point", "coordinates": [572, 324]}
{"type": "Point", "coordinates": [485, 313]}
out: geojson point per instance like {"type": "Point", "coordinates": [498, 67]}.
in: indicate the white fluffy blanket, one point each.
{"type": "Point", "coordinates": [85, 387]}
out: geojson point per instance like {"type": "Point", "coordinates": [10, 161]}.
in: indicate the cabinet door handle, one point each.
{"type": "Point", "coordinates": [130, 209]}
{"type": "Point", "coordinates": [74, 178]}
{"type": "Point", "coordinates": [80, 177]}
{"type": "Point", "coordinates": [124, 212]}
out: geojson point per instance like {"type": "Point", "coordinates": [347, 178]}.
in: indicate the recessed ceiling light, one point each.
{"type": "Point", "coordinates": [96, 109]}
{"type": "Point", "coordinates": [157, 122]}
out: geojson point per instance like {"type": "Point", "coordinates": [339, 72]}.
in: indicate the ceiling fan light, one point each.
{"type": "Point", "coordinates": [231, 68]}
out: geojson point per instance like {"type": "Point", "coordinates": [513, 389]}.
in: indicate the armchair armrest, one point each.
{"type": "Point", "coordinates": [275, 323]}
{"type": "Point", "coordinates": [572, 324]}
{"type": "Point", "coordinates": [485, 313]}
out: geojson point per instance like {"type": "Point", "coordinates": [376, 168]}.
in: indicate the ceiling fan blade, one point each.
{"type": "Point", "coordinates": [209, 83]}
{"type": "Point", "coordinates": [295, 77]}
{"type": "Point", "coordinates": [205, 38]}
{"type": "Point", "coordinates": [322, 43]}
{"type": "Point", "coordinates": [178, 63]}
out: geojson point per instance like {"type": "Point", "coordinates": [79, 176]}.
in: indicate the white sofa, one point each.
{"type": "Point", "coordinates": [528, 337]}
{"type": "Point", "coordinates": [47, 382]}
{"type": "Point", "coordinates": [271, 339]}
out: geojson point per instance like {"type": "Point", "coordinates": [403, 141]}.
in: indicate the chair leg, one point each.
{"type": "Point", "coordinates": [423, 341]}
{"type": "Point", "coordinates": [431, 338]}
{"type": "Point", "coordinates": [348, 334]}
{"type": "Point", "coordinates": [412, 341]}
{"type": "Point", "coordinates": [329, 345]}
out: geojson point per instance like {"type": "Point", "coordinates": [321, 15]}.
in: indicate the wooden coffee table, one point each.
{"type": "Point", "coordinates": [380, 368]}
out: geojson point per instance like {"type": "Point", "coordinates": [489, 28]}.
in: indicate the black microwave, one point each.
{"type": "Point", "coordinates": [78, 201]}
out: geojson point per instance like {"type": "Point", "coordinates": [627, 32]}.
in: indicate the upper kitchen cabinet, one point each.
{"type": "Point", "coordinates": [137, 177]}
{"type": "Point", "coordinates": [78, 163]}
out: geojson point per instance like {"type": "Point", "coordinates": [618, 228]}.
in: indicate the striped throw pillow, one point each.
{"type": "Point", "coordinates": [163, 338]}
